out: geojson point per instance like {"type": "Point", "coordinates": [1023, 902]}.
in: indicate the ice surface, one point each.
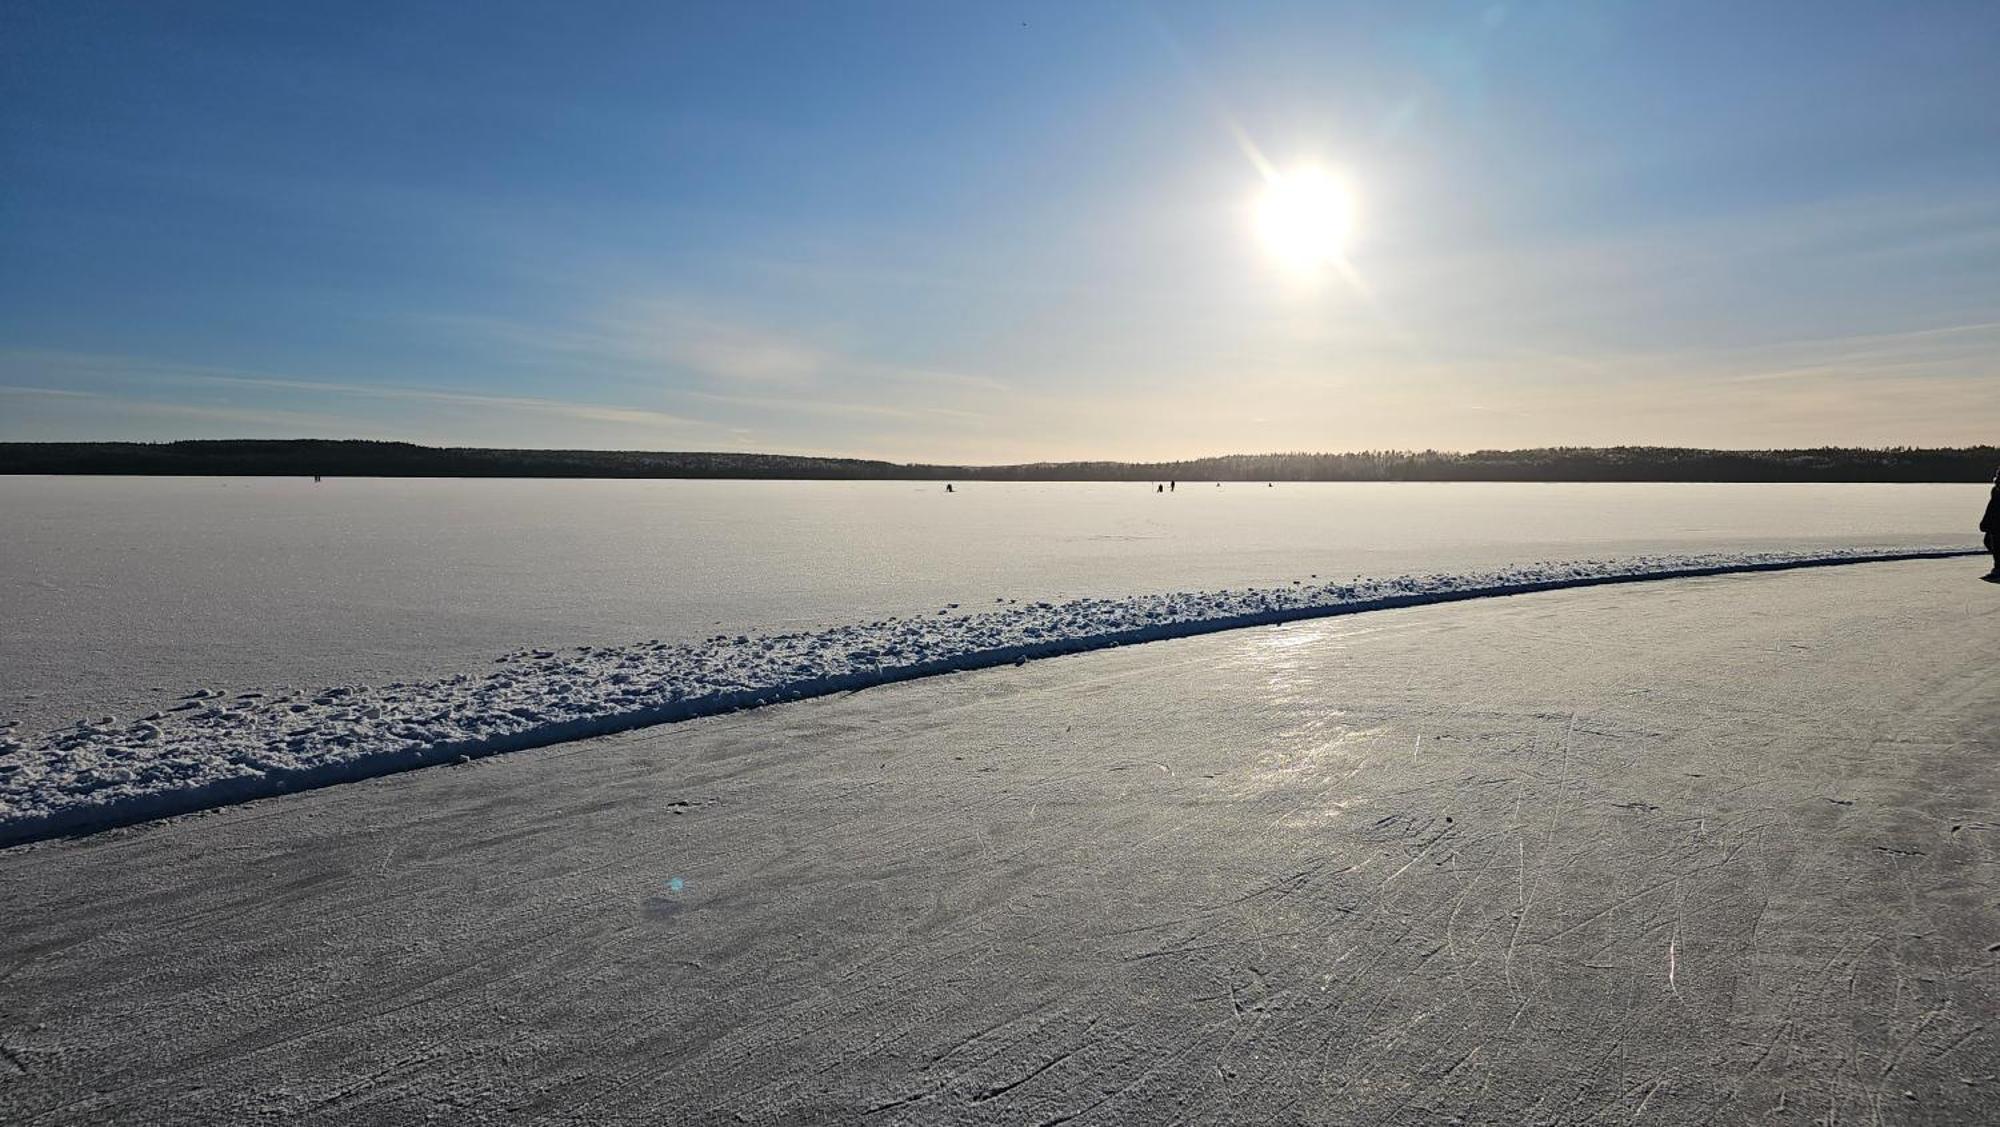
{"type": "Point", "coordinates": [1710, 853]}
{"type": "Point", "coordinates": [119, 594]}
{"type": "Point", "coordinates": [213, 747]}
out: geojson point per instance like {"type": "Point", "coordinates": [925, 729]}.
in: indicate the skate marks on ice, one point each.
{"type": "Point", "coordinates": [1708, 855]}
{"type": "Point", "coordinates": [213, 748]}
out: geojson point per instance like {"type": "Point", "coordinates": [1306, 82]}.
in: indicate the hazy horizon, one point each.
{"type": "Point", "coordinates": [1083, 458]}
{"type": "Point", "coordinates": [1002, 235]}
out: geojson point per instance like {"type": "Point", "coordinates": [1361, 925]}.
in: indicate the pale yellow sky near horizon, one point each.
{"type": "Point", "coordinates": [951, 234]}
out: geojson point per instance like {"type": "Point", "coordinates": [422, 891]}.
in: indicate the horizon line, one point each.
{"type": "Point", "coordinates": [1364, 452]}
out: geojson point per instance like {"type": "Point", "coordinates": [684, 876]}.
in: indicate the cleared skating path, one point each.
{"type": "Point", "coordinates": [1718, 850]}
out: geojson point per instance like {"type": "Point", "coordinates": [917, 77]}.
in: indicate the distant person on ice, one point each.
{"type": "Point", "coordinates": [1990, 525]}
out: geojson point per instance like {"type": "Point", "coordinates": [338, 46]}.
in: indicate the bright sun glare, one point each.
{"type": "Point", "coordinates": [1305, 218]}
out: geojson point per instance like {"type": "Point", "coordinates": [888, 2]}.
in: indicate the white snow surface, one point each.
{"type": "Point", "coordinates": [119, 594]}
{"type": "Point", "coordinates": [214, 748]}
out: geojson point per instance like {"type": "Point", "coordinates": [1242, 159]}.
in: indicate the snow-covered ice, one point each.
{"type": "Point", "coordinates": [116, 594]}
{"type": "Point", "coordinates": [1658, 854]}
{"type": "Point", "coordinates": [219, 746]}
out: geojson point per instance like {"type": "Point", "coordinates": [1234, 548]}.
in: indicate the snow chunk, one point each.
{"type": "Point", "coordinates": [200, 753]}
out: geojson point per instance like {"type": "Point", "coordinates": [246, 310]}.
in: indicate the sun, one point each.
{"type": "Point", "coordinates": [1306, 217]}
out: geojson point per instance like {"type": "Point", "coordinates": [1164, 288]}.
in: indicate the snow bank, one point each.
{"type": "Point", "coordinates": [212, 748]}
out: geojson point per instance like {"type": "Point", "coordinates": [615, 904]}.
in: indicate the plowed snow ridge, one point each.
{"type": "Point", "coordinates": [212, 749]}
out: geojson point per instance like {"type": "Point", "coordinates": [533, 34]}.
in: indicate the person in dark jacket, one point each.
{"type": "Point", "coordinates": [1990, 525]}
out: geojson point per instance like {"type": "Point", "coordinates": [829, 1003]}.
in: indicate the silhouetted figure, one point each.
{"type": "Point", "coordinates": [947, 487]}
{"type": "Point", "coordinates": [1990, 525]}
{"type": "Point", "coordinates": [1171, 485]}
{"type": "Point", "coordinates": [1159, 489]}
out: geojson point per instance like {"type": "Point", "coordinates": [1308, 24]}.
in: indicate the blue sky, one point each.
{"type": "Point", "coordinates": [996, 232]}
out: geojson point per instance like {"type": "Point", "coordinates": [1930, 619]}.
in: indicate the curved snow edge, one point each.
{"type": "Point", "coordinates": [69, 803]}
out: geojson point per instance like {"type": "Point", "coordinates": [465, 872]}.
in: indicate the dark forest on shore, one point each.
{"type": "Point", "coordinates": [356, 458]}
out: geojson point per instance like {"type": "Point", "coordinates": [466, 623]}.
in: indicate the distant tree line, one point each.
{"type": "Point", "coordinates": [355, 458]}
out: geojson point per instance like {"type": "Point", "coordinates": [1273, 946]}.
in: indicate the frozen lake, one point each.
{"type": "Point", "coordinates": [117, 593]}
{"type": "Point", "coordinates": [1692, 849]}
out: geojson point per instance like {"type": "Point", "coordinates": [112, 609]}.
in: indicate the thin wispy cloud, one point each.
{"type": "Point", "coordinates": [101, 405]}
{"type": "Point", "coordinates": [837, 409]}
{"type": "Point", "coordinates": [659, 337]}
{"type": "Point", "coordinates": [1558, 235]}
{"type": "Point", "coordinates": [651, 338]}
{"type": "Point", "coordinates": [48, 392]}
{"type": "Point", "coordinates": [144, 381]}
